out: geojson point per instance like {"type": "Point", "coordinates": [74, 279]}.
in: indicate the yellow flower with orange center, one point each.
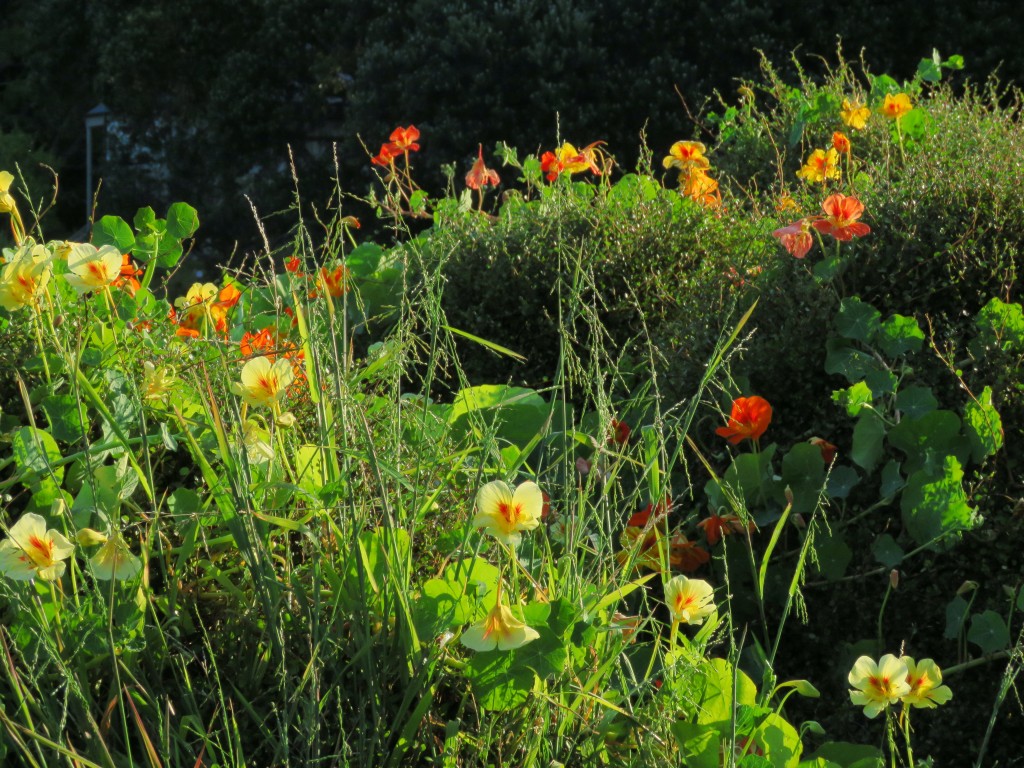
{"type": "Point", "coordinates": [687, 156]}
{"type": "Point", "coordinates": [854, 114]}
{"type": "Point", "coordinates": [24, 278]}
{"type": "Point", "coordinates": [878, 684]}
{"type": "Point", "coordinates": [31, 551]}
{"type": "Point", "coordinates": [114, 560]}
{"type": "Point", "coordinates": [91, 268]}
{"type": "Point", "coordinates": [505, 513]}
{"type": "Point", "coordinates": [895, 106]}
{"type": "Point", "coordinates": [500, 630]}
{"type": "Point", "coordinates": [264, 382]}
{"type": "Point", "coordinates": [925, 680]}
{"type": "Point", "coordinates": [689, 601]}
{"type": "Point", "coordinates": [7, 203]}
{"type": "Point", "coordinates": [821, 166]}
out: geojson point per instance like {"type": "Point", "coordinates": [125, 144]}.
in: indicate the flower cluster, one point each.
{"type": "Point", "coordinates": [401, 142]}
{"type": "Point", "coordinates": [695, 181]}
{"type": "Point", "coordinates": [568, 159]}
{"type": "Point", "coordinates": [203, 308]}
{"type": "Point", "coordinates": [893, 680]}
{"type": "Point", "coordinates": [841, 221]}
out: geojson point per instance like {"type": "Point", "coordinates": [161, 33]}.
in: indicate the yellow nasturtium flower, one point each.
{"type": "Point", "coordinates": [256, 441]}
{"type": "Point", "coordinates": [264, 382]}
{"type": "Point", "coordinates": [820, 166]}
{"type": "Point", "coordinates": [689, 601]}
{"type": "Point", "coordinates": [505, 514]}
{"type": "Point", "coordinates": [31, 551]}
{"type": "Point", "coordinates": [687, 156]}
{"type": "Point", "coordinates": [24, 278]}
{"type": "Point", "coordinates": [896, 106]}
{"type": "Point", "coordinates": [878, 684]}
{"type": "Point", "coordinates": [854, 114]}
{"type": "Point", "coordinates": [7, 203]}
{"type": "Point", "coordinates": [157, 382]}
{"type": "Point", "coordinates": [91, 268]}
{"type": "Point", "coordinates": [114, 560]}
{"type": "Point", "coordinates": [925, 680]}
{"type": "Point", "coordinates": [499, 629]}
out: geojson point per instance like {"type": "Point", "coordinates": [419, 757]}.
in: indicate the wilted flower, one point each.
{"type": "Point", "coordinates": [499, 629]}
{"type": "Point", "coordinates": [91, 268]}
{"type": "Point", "coordinates": [717, 526]}
{"type": "Point", "coordinates": [854, 114]}
{"type": "Point", "coordinates": [689, 601]}
{"type": "Point", "coordinates": [480, 175]}
{"type": "Point", "coordinates": [505, 514]}
{"type": "Point", "coordinates": [828, 451]}
{"type": "Point", "coordinates": [841, 217]}
{"type": "Point", "coordinates": [686, 555]}
{"type": "Point", "coordinates": [24, 278]}
{"type": "Point", "coordinates": [750, 418]}
{"type": "Point", "coordinates": [31, 551]}
{"type": "Point", "coordinates": [896, 106]}
{"type": "Point", "coordinates": [263, 382]}
{"type": "Point", "coordinates": [256, 441]}
{"type": "Point", "coordinates": [878, 684]}
{"type": "Point", "coordinates": [114, 560]}
{"type": "Point", "coordinates": [796, 238]}
{"type": "Point", "coordinates": [821, 166]}
{"type": "Point", "coordinates": [925, 680]}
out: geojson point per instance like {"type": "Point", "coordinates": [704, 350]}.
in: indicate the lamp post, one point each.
{"type": "Point", "coordinates": [94, 118]}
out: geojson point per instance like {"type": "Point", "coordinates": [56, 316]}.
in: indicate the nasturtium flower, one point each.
{"type": "Point", "coordinates": [686, 156]}
{"type": "Point", "coordinates": [828, 450]}
{"type": "Point", "coordinates": [262, 343]}
{"type": "Point", "coordinates": [717, 526]}
{"type": "Point", "coordinates": [24, 278]}
{"type": "Point", "coordinates": [264, 382]}
{"type": "Point", "coordinates": [31, 551]}
{"type": "Point", "coordinates": [480, 175]}
{"type": "Point", "coordinates": [335, 281]}
{"type": "Point", "coordinates": [840, 143]}
{"type": "Point", "coordinates": [620, 432]}
{"type": "Point", "coordinates": [129, 276]}
{"type": "Point", "coordinates": [841, 214]}
{"type": "Point", "coordinates": [698, 186]}
{"type": "Point", "coordinates": [256, 441]}
{"type": "Point", "coordinates": [91, 268]}
{"type": "Point", "coordinates": [500, 629]}
{"type": "Point", "coordinates": [749, 418]}
{"type": "Point", "coordinates": [925, 680]}
{"type": "Point", "coordinates": [878, 684]}
{"type": "Point", "coordinates": [7, 203]}
{"type": "Point", "coordinates": [854, 114]}
{"type": "Point", "coordinates": [404, 139]}
{"type": "Point", "coordinates": [204, 302]}
{"type": "Point", "coordinates": [796, 238]}
{"type": "Point", "coordinates": [689, 601]}
{"type": "Point", "coordinates": [896, 106]}
{"type": "Point", "coordinates": [821, 166]}
{"type": "Point", "coordinates": [686, 555]}
{"type": "Point", "coordinates": [114, 560]}
{"type": "Point", "coordinates": [568, 159]}
{"type": "Point", "coordinates": [505, 513]}
{"type": "Point", "coordinates": [386, 156]}
{"type": "Point", "coordinates": [157, 381]}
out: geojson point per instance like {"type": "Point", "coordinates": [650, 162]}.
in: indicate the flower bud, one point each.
{"type": "Point", "coordinates": [87, 537]}
{"type": "Point", "coordinates": [286, 420]}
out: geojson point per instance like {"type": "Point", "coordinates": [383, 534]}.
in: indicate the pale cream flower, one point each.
{"type": "Point", "coordinates": [256, 440]}
{"type": "Point", "coordinates": [157, 382]}
{"type": "Point", "coordinates": [91, 268]}
{"type": "Point", "coordinates": [499, 629]}
{"type": "Point", "coordinates": [505, 514]}
{"type": "Point", "coordinates": [689, 601]}
{"type": "Point", "coordinates": [925, 680]}
{"type": "Point", "coordinates": [878, 684]}
{"type": "Point", "coordinates": [264, 382]}
{"type": "Point", "coordinates": [115, 561]}
{"type": "Point", "coordinates": [25, 277]}
{"type": "Point", "coordinates": [31, 551]}
{"type": "Point", "coordinates": [7, 203]}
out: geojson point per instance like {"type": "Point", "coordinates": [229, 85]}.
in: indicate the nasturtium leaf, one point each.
{"type": "Point", "coordinates": [956, 615]}
{"type": "Point", "coordinates": [983, 426]}
{"type": "Point", "coordinates": [988, 631]}
{"type": "Point", "coordinates": [803, 470]}
{"type": "Point", "coordinates": [122, 397]}
{"type": "Point", "coordinates": [934, 509]}
{"type": "Point", "coordinates": [698, 744]}
{"type": "Point", "coordinates": [751, 477]}
{"type": "Point", "coordinates": [841, 480]}
{"type": "Point", "coordinates": [857, 320]}
{"type": "Point", "coordinates": [915, 401]}
{"type": "Point", "coordinates": [956, 61]}
{"type": "Point", "coordinates": [782, 746]}
{"type": "Point", "coordinates": [887, 551]}
{"type": "Point", "coordinates": [113, 230]}
{"type": "Point", "coordinates": [899, 335]}
{"type": "Point", "coordinates": [497, 683]}
{"type": "Point", "coordinates": [892, 480]}
{"type": "Point", "coordinates": [36, 454]}
{"type": "Point", "coordinates": [832, 553]}
{"type": "Point", "coordinates": [716, 702]}
{"type": "Point", "coordinates": [854, 398]}
{"type": "Point", "coordinates": [927, 441]}
{"type": "Point", "coordinates": [844, 359]}
{"type": "Point", "coordinates": [66, 416]}
{"type": "Point", "coordinates": [847, 755]}
{"type": "Point", "coordinates": [182, 221]}
{"type": "Point", "coordinates": [515, 414]}
{"type": "Point", "coordinates": [881, 381]}
{"type": "Point", "coordinates": [866, 451]}
{"type": "Point", "coordinates": [929, 70]}
{"type": "Point", "coordinates": [1001, 325]}
{"type": "Point", "coordinates": [144, 219]}
{"type": "Point", "coordinates": [915, 124]}
{"type": "Point", "coordinates": [309, 467]}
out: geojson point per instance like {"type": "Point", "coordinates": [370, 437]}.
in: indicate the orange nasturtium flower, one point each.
{"type": "Point", "coordinates": [841, 143]}
{"type": "Point", "coordinates": [128, 277]}
{"type": "Point", "coordinates": [404, 139]}
{"type": "Point", "coordinates": [24, 278]}
{"type": "Point", "coordinates": [335, 281]}
{"type": "Point", "coordinates": [386, 156]}
{"type": "Point", "coordinates": [263, 382]}
{"type": "Point", "coordinates": [505, 513]}
{"type": "Point", "coordinates": [698, 186]}
{"type": "Point", "coordinates": [750, 418]}
{"type": "Point", "coordinates": [841, 214]}
{"type": "Point", "coordinates": [717, 526]}
{"type": "Point", "coordinates": [499, 629]}
{"type": "Point", "coordinates": [568, 159]}
{"type": "Point", "coordinates": [854, 114]}
{"type": "Point", "coordinates": [896, 106]}
{"type": "Point", "coordinates": [480, 175]}
{"type": "Point", "coordinates": [91, 268]}
{"type": "Point", "coordinates": [30, 551]}
{"type": "Point", "coordinates": [686, 555]}
{"type": "Point", "coordinates": [198, 305]}
{"type": "Point", "coordinates": [796, 238]}
{"type": "Point", "coordinates": [925, 680]}
{"type": "Point", "coordinates": [687, 156]}
{"type": "Point", "coordinates": [689, 601]}
{"type": "Point", "coordinates": [821, 166]}
{"type": "Point", "coordinates": [878, 684]}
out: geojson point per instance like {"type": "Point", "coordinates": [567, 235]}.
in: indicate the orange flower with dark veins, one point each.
{"type": "Point", "coordinates": [796, 238]}
{"type": "Point", "coordinates": [404, 139]}
{"type": "Point", "coordinates": [841, 214]}
{"type": "Point", "coordinates": [750, 418]}
{"type": "Point", "coordinates": [480, 175]}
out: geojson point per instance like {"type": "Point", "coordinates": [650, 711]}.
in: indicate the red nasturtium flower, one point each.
{"type": "Point", "coordinates": [796, 238]}
{"type": "Point", "coordinates": [480, 175]}
{"type": "Point", "coordinates": [717, 526]}
{"type": "Point", "coordinates": [259, 344]}
{"type": "Point", "coordinates": [404, 139]}
{"type": "Point", "coordinates": [294, 265]}
{"type": "Point", "coordinates": [568, 159]}
{"type": "Point", "coordinates": [641, 518]}
{"type": "Point", "coordinates": [387, 155]}
{"type": "Point", "coordinates": [841, 217]}
{"type": "Point", "coordinates": [335, 281]}
{"type": "Point", "coordinates": [620, 432]}
{"type": "Point", "coordinates": [750, 418]}
{"type": "Point", "coordinates": [841, 143]}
